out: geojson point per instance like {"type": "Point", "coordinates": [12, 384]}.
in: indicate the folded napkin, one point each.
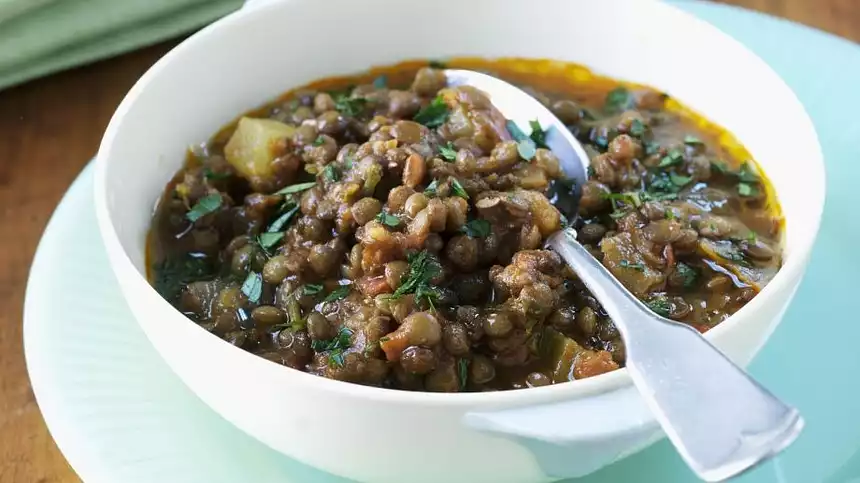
{"type": "Point", "coordinates": [38, 37]}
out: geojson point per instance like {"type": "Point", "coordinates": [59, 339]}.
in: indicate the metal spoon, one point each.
{"type": "Point", "coordinates": [720, 420]}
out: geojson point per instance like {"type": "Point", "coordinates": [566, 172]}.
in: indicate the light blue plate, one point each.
{"type": "Point", "coordinates": [120, 415]}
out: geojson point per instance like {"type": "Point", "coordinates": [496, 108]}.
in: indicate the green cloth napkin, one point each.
{"type": "Point", "coordinates": [38, 37]}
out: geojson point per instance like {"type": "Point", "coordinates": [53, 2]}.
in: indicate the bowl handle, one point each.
{"type": "Point", "coordinates": [575, 438]}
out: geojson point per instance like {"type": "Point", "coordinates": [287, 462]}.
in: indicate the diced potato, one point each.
{"type": "Point", "coordinates": [559, 352]}
{"type": "Point", "coordinates": [254, 145]}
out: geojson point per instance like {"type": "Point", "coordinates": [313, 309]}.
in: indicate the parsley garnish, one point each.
{"type": "Point", "coordinates": [679, 180]}
{"type": "Point", "coordinates": [319, 141]}
{"type": "Point", "coordinates": [477, 228]}
{"type": "Point", "coordinates": [296, 188]}
{"type": "Point", "coordinates": [672, 158]}
{"type": "Point", "coordinates": [692, 140]}
{"type": "Point", "coordinates": [269, 239]}
{"type": "Point", "coordinates": [173, 274]}
{"type": "Point", "coordinates": [337, 294]}
{"type": "Point", "coordinates": [538, 135]}
{"type": "Point", "coordinates": [434, 114]}
{"type": "Point", "coordinates": [448, 152]}
{"type": "Point", "coordinates": [526, 147]}
{"type": "Point", "coordinates": [209, 174]}
{"type": "Point", "coordinates": [458, 189]}
{"type": "Point", "coordinates": [350, 106]}
{"type": "Point", "coordinates": [688, 274]}
{"type": "Point", "coordinates": [638, 266]}
{"type": "Point", "coordinates": [335, 346]}
{"type": "Point", "coordinates": [204, 206]}
{"type": "Point", "coordinates": [728, 251]}
{"type": "Point", "coordinates": [281, 221]}
{"type": "Point", "coordinates": [430, 190]}
{"type": "Point", "coordinates": [747, 173]}
{"type": "Point", "coordinates": [331, 173]}
{"type": "Point", "coordinates": [380, 82]}
{"type": "Point", "coordinates": [423, 268]}
{"type": "Point", "coordinates": [312, 288]}
{"type": "Point", "coordinates": [637, 128]}
{"type": "Point", "coordinates": [253, 287]}
{"type": "Point", "coordinates": [463, 371]}
{"type": "Point", "coordinates": [659, 304]}
{"type": "Point", "coordinates": [387, 219]}
{"type": "Point", "coordinates": [744, 189]}
{"type": "Point", "coordinates": [618, 100]}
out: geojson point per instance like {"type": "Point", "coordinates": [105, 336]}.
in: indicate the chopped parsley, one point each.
{"type": "Point", "coordinates": [745, 189]}
{"type": "Point", "coordinates": [281, 221]}
{"type": "Point", "coordinates": [173, 274]}
{"type": "Point", "coordinates": [618, 100]}
{"type": "Point", "coordinates": [449, 153]}
{"type": "Point", "coordinates": [689, 275]}
{"type": "Point", "coordinates": [337, 294]}
{"type": "Point", "coordinates": [296, 188]}
{"type": "Point", "coordinates": [637, 128]}
{"type": "Point", "coordinates": [204, 206]}
{"type": "Point", "coordinates": [679, 180]}
{"type": "Point", "coordinates": [729, 251]}
{"type": "Point", "coordinates": [269, 239]}
{"type": "Point", "coordinates": [209, 174]}
{"type": "Point", "coordinates": [423, 268]}
{"type": "Point", "coordinates": [335, 346]}
{"type": "Point", "coordinates": [381, 82]}
{"type": "Point", "coordinates": [387, 219]}
{"type": "Point", "coordinates": [526, 147]}
{"type": "Point", "coordinates": [431, 188]}
{"type": "Point", "coordinates": [747, 173]}
{"type": "Point", "coordinates": [692, 141]}
{"type": "Point", "coordinates": [350, 106]}
{"type": "Point", "coordinates": [659, 304]}
{"type": "Point", "coordinates": [458, 189]}
{"type": "Point", "coordinates": [312, 288]}
{"type": "Point", "coordinates": [538, 135]}
{"type": "Point", "coordinates": [463, 371]}
{"type": "Point", "coordinates": [319, 141]}
{"type": "Point", "coordinates": [671, 159]}
{"type": "Point", "coordinates": [477, 228]}
{"type": "Point", "coordinates": [331, 173]}
{"type": "Point", "coordinates": [638, 266]}
{"type": "Point", "coordinates": [434, 114]}
{"type": "Point", "coordinates": [252, 287]}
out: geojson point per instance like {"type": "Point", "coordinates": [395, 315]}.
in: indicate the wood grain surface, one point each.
{"type": "Point", "coordinates": [50, 128]}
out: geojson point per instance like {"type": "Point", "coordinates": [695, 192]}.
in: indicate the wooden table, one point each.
{"type": "Point", "coordinates": [50, 128]}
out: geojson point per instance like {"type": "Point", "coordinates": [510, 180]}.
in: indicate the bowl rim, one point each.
{"type": "Point", "coordinates": [791, 270]}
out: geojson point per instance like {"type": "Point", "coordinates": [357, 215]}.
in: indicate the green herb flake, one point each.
{"type": "Point", "coordinates": [590, 171]}
{"type": "Point", "coordinates": [692, 141]}
{"type": "Point", "coordinates": [516, 133]}
{"type": "Point", "coordinates": [296, 188]}
{"type": "Point", "coordinates": [423, 268]}
{"type": "Point", "coordinates": [458, 189]}
{"type": "Point", "coordinates": [748, 174]}
{"type": "Point", "coordinates": [720, 167]}
{"type": "Point", "coordinates": [636, 129]}
{"type": "Point", "coordinates": [638, 266]}
{"type": "Point", "coordinates": [463, 372]}
{"type": "Point", "coordinates": [350, 106]}
{"type": "Point", "coordinates": [173, 274]}
{"type": "Point", "coordinates": [431, 188]}
{"type": "Point", "coordinates": [387, 219]}
{"type": "Point", "coordinates": [319, 141]}
{"type": "Point", "coordinates": [752, 237]}
{"type": "Point", "coordinates": [478, 228]}
{"type": "Point", "coordinates": [449, 153]}
{"type": "Point", "coordinates": [745, 189]}
{"type": "Point", "coordinates": [679, 180]}
{"type": "Point", "coordinates": [660, 305]}
{"type": "Point", "coordinates": [434, 114]}
{"type": "Point", "coordinates": [270, 239]}
{"type": "Point", "coordinates": [204, 206]}
{"type": "Point", "coordinates": [334, 346]}
{"type": "Point", "coordinates": [527, 149]}
{"type": "Point", "coordinates": [671, 159]}
{"type": "Point", "coordinates": [688, 274]}
{"type": "Point", "coordinates": [651, 147]}
{"type": "Point", "coordinates": [280, 222]}
{"type": "Point", "coordinates": [212, 175]}
{"type": "Point", "coordinates": [618, 100]}
{"type": "Point", "coordinates": [331, 173]}
{"type": "Point", "coordinates": [252, 287]}
{"type": "Point", "coordinates": [538, 135]}
{"type": "Point", "coordinates": [337, 294]}
{"type": "Point", "coordinates": [312, 288]}
{"type": "Point", "coordinates": [381, 82]}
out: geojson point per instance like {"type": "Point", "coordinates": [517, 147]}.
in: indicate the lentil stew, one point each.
{"type": "Point", "coordinates": [387, 230]}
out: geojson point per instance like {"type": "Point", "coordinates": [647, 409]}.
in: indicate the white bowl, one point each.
{"type": "Point", "coordinates": [379, 435]}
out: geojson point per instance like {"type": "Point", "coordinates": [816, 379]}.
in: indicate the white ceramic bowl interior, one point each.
{"type": "Point", "coordinates": [373, 434]}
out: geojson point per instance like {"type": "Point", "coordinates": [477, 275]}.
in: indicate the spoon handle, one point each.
{"type": "Point", "coordinates": [721, 421]}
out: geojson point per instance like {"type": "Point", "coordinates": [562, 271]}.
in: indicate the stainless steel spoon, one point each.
{"type": "Point", "coordinates": [720, 420]}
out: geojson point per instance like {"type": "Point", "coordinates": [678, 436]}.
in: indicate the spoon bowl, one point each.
{"type": "Point", "coordinates": [720, 420]}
